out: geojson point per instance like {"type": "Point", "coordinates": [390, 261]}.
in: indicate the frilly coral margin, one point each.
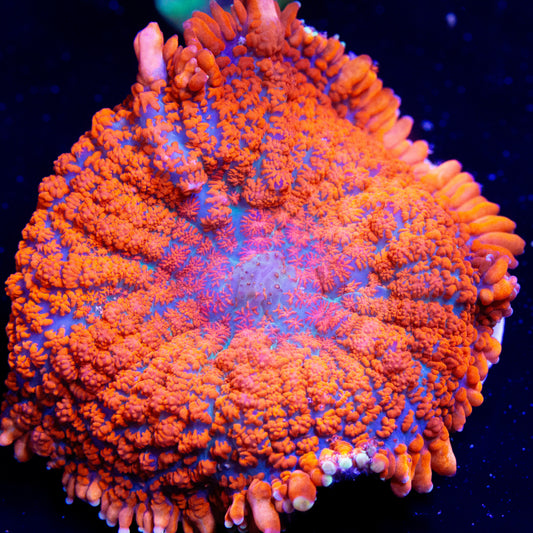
{"type": "Point", "coordinates": [245, 282]}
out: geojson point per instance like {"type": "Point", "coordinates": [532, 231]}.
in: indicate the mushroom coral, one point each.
{"type": "Point", "coordinates": [245, 282]}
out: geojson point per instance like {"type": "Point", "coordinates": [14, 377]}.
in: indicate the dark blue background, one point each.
{"type": "Point", "coordinates": [470, 90]}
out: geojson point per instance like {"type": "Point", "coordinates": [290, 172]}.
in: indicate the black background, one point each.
{"type": "Point", "coordinates": [469, 87]}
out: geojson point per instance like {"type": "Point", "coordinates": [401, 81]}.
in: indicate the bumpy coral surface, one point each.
{"type": "Point", "coordinates": [245, 282]}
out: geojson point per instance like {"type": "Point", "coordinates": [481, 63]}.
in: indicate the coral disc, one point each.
{"type": "Point", "coordinates": [245, 282]}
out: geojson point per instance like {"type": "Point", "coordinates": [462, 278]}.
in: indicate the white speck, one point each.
{"type": "Point", "coordinates": [451, 20]}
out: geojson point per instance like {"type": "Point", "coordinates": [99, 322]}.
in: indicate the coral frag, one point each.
{"type": "Point", "coordinates": [245, 282]}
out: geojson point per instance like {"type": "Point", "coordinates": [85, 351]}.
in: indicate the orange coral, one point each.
{"type": "Point", "coordinates": [246, 282]}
